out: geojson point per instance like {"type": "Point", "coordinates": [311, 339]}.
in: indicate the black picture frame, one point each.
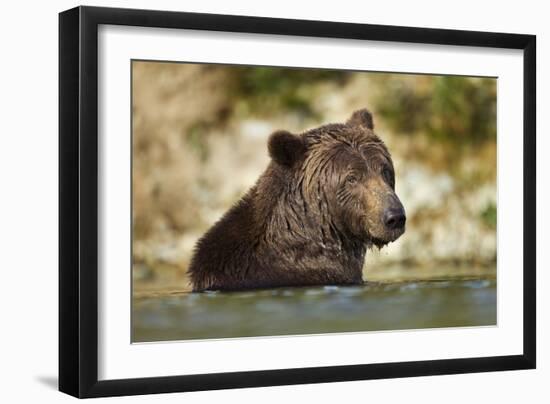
{"type": "Point", "coordinates": [78, 201]}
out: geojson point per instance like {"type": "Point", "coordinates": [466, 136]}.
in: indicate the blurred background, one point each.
{"type": "Point", "coordinates": [199, 143]}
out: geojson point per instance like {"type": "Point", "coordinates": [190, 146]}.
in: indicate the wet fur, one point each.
{"type": "Point", "coordinates": [298, 225]}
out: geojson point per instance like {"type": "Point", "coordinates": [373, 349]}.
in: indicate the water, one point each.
{"type": "Point", "coordinates": [315, 310]}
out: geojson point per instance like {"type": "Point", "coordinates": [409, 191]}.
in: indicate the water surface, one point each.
{"type": "Point", "coordinates": [315, 310]}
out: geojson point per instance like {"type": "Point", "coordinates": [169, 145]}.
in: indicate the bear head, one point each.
{"type": "Point", "coordinates": [342, 176]}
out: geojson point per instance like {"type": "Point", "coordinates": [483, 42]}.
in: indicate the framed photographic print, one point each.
{"type": "Point", "coordinates": [249, 201]}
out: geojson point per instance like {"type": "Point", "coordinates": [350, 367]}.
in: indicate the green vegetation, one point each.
{"type": "Point", "coordinates": [196, 137]}
{"type": "Point", "coordinates": [458, 110]}
{"type": "Point", "coordinates": [264, 89]}
{"type": "Point", "coordinates": [489, 215]}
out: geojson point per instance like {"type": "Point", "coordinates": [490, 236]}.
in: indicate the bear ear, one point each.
{"type": "Point", "coordinates": [285, 148]}
{"type": "Point", "coordinates": [362, 118]}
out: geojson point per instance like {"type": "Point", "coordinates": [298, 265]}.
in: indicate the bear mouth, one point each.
{"type": "Point", "coordinates": [380, 242]}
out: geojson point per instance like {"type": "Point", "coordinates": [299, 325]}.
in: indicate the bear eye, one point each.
{"type": "Point", "coordinates": [387, 174]}
{"type": "Point", "coordinates": [351, 179]}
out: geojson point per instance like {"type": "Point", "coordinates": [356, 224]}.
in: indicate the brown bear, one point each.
{"type": "Point", "coordinates": [327, 195]}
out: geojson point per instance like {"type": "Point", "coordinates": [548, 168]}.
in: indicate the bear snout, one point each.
{"type": "Point", "coordinates": [394, 218]}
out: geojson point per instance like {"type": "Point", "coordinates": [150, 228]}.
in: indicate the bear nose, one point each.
{"type": "Point", "coordinates": [394, 218]}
